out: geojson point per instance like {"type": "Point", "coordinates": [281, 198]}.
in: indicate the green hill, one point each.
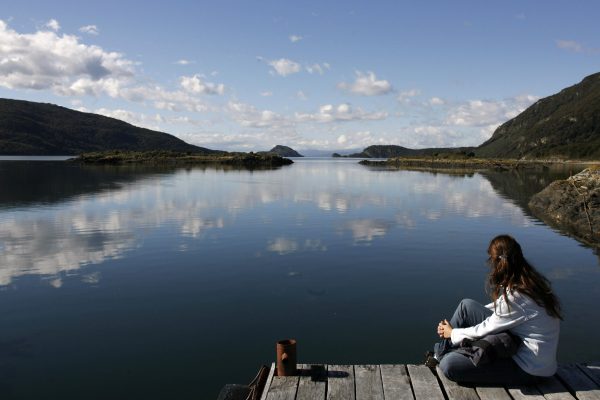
{"type": "Point", "coordinates": [285, 151]}
{"type": "Point", "coordinates": [389, 151]}
{"type": "Point", "coordinates": [565, 125]}
{"type": "Point", "coordinates": [29, 128]}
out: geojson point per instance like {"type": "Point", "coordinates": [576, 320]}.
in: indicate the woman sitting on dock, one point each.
{"type": "Point", "coordinates": [523, 306]}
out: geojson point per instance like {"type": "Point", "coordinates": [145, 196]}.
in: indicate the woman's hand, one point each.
{"type": "Point", "coordinates": [444, 329]}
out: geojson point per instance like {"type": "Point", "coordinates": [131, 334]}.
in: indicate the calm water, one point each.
{"type": "Point", "coordinates": [158, 283]}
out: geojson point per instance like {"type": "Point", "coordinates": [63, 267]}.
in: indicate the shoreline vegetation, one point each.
{"type": "Point", "coordinates": [241, 160]}
{"type": "Point", "coordinates": [471, 163]}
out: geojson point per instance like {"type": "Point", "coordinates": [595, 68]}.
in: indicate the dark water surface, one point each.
{"type": "Point", "coordinates": [168, 283]}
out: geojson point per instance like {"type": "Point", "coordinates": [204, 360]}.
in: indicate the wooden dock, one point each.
{"type": "Point", "coordinates": [418, 382]}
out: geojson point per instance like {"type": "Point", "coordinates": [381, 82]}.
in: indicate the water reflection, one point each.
{"type": "Point", "coordinates": [96, 214]}
{"type": "Point", "coordinates": [150, 273]}
{"type": "Point", "coordinates": [50, 245]}
{"type": "Point", "coordinates": [283, 245]}
{"type": "Point", "coordinates": [29, 183]}
{"type": "Point", "coordinates": [365, 230]}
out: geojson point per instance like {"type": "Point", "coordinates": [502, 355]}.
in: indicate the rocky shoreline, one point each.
{"type": "Point", "coordinates": [572, 205]}
{"type": "Point", "coordinates": [241, 160]}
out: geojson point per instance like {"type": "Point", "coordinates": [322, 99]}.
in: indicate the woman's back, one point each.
{"type": "Point", "coordinates": [539, 332]}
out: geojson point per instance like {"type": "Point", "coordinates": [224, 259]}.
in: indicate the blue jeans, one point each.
{"type": "Point", "coordinates": [459, 368]}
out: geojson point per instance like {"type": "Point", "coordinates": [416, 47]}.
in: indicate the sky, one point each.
{"type": "Point", "coordinates": [316, 76]}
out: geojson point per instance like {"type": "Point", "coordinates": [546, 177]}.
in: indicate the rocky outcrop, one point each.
{"type": "Point", "coordinates": [572, 205]}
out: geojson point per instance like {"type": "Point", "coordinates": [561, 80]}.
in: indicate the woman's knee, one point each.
{"type": "Point", "coordinates": [466, 304]}
{"type": "Point", "coordinates": [452, 365]}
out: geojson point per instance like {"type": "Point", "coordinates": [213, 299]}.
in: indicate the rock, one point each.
{"type": "Point", "coordinates": [572, 205]}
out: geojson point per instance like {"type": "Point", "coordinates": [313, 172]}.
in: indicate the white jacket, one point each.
{"type": "Point", "coordinates": [526, 319]}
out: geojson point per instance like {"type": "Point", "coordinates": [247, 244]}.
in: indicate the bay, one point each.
{"type": "Point", "coordinates": [169, 283]}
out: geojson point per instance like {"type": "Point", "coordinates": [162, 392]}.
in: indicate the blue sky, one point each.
{"type": "Point", "coordinates": [237, 75]}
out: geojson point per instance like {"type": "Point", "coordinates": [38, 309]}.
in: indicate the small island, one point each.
{"type": "Point", "coordinates": [285, 151]}
{"type": "Point", "coordinates": [158, 157]}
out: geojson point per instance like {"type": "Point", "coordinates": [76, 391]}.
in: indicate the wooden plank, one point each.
{"type": "Point", "coordinates": [553, 389]}
{"type": "Point", "coordinates": [313, 382]}
{"type": "Point", "coordinates": [525, 393]}
{"type": "Point", "coordinates": [425, 384]}
{"type": "Point", "coordinates": [454, 391]}
{"type": "Point", "coordinates": [268, 382]}
{"type": "Point", "coordinates": [283, 388]}
{"type": "Point", "coordinates": [340, 382]}
{"type": "Point", "coordinates": [492, 393]}
{"type": "Point", "coordinates": [578, 382]}
{"type": "Point", "coordinates": [593, 371]}
{"type": "Point", "coordinates": [368, 382]}
{"type": "Point", "coordinates": [396, 385]}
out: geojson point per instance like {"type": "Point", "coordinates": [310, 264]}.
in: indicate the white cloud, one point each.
{"type": "Point", "coordinates": [367, 85]}
{"type": "Point", "coordinates": [45, 60]}
{"type": "Point", "coordinates": [266, 93]}
{"type": "Point", "coordinates": [53, 24]}
{"type": "Point", "coordinates": [317, 68]}
{"type": "Point", "coordinates": [300, 95]}
{"type": "Point", "coordinates": [570, 45]}
{"type": "Point", "coordinates": [341, 112]}
{"type": "Point", "coordinates": [452, 124]}
{"type": "Point", "coordinates": [295, 38]}
{"type": "Point", "coordinates": [162, 99]}
{"type": "Point", "coordinates": [361, 139]}
{"type": "Point", "coordinates": [405, 96]}
{"type": "Point", "coordinates": [436, 101]}
{"type": "Point", "coordinates": [183, 61]}
{"type": "Point", "coordinates": [284, 66]}
{"type": "Point", "coordinates": [478, 113]}
{"type": "Point", "coordinates": [249, 116]}
{"type": "Point", "coordinates": [137, 119]}
{"type": "Point", "coordinates": [195, 84]}
{"type": "Point", "coordinates": [90, 29]}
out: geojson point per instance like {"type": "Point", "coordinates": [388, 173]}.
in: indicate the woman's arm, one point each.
{"type": "Point", "coordinates": [502, 319]}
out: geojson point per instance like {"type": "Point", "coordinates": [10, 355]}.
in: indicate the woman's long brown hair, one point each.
{"type": "Point", "coordinates": [510, 270]}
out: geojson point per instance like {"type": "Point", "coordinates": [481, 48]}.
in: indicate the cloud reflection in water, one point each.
{"type": "Point", "coordinates": [97, 227]}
